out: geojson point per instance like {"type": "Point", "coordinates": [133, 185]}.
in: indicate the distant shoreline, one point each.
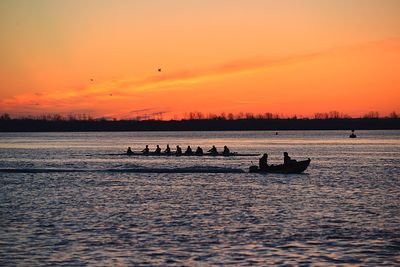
{"type": "Point", "coordinates": [32, 125]}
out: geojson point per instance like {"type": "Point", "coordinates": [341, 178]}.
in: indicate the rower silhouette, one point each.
{"type": "Point", "coordinates": [129, 151]}
{"type": "Point", "coordinates": [226, 151]}
{"type": "Point", "coordinates": [188, 151]}
{"type": "Point", "coordinates": [167, 150]}
{"type": "Point", "coordinates": [178, 151]}
{"type": "Point", "coordinates": [263, 162]}
{"type": "Point", "coordinates": [199, 151]}
{"type": "Point", "coordinates": [158, 150]}
{"type": "Point", "coordinates": [146, 150]}
{"type": "Point", "coordinates": [213, 151]}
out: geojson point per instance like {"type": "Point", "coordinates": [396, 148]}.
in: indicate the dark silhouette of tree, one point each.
{"type": "Point", "coordinates": [393, 115]}
{"type": "Point", "coordinates": [240, 116]}
{"type": "Point", "coordinates": [249, 116]}
{"type": "Point", "coordinates": [334, 114]}
{"type": "Point", "coordinates": [5, 116]}
{"type": "Point", "coordinates": [372, 115]}
{"type": "Point", "coordinates": [268, 116]}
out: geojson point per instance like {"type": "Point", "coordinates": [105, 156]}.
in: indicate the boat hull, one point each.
{"type": "Point", "coordinates": [188, 155]}
{"type": "Point", "coordinates": [295, 167]}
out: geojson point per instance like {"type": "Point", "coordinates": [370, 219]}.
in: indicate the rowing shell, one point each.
{"type": "Point", "coordinates": [185, 155]}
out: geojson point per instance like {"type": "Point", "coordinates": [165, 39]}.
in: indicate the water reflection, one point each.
{"type": "Point", "coordinates": [344, 211]}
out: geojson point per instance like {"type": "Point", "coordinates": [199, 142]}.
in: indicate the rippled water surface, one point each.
{"type": "Point", "coordinates": [344, 210]}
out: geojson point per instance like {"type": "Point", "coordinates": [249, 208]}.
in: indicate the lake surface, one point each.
{"type": "Point", "coordinates": [345, 209]}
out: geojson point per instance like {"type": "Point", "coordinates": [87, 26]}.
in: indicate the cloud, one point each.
{"type": "Point", "coordinates": [247, 102]}
{"type": "Point", "coordinates": [139, 114]}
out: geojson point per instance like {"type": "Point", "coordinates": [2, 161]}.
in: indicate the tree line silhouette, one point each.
{"type": "Point", "coordinates": [198, 116]}
{"type": "Point", "coordinates": [197, 121]}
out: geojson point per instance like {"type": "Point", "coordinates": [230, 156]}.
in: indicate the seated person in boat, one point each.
{"type": "Point", "coordinates": [213, 151]}
{"type": "Point", "coordinates": [199, 151]}
{"type": "Point", "coordinates": [146, 150]}
{"type": "Point", "coordinates": [263, 162]}
{"type": "Point", "coordinates": [129, 151]}
{"type": "Point", "coordinates": [167, 150]}
{"type": "Point", "coordinates": [287, 159]}
{"type": "Point", "coordinates": [158, 150]}
{"type": "Point", "coordinates": [188, 151]}
{"type": "Point", "coordinates": [226, 151]}
{"type": "Point", "coordinates": [178, 151]}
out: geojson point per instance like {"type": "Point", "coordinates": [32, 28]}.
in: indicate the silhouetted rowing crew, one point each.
{"type": "Point", "coordinates": [289, 165]}
{"type": "Point", "coordinates": [188, 152]}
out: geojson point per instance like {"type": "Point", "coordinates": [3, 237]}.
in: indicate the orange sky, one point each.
{"type": "Point", "coordinates": [102, 57]}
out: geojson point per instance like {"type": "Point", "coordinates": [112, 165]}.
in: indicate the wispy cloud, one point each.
{"type": "Point", "coordinates": [243, 66]}
{"type": "Point", "coordinates": [247, 102]}
{"type": "Point", "coordinates": [139, 114]}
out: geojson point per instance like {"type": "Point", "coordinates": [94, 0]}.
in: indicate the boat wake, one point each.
{"type": "Point", "coordinates": [126, 170]}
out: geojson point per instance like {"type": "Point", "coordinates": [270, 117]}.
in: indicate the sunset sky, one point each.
{"type": "Point", "coordinates": [102, 57]}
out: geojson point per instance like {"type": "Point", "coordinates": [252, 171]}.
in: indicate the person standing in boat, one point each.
{"type": "Point", "coordinates": [158, 150]}
{"type": "Point", "coordinates": [167, 150]}
{"type": "Point", "coordinates": [129, 151]}
{"type": "Point", "coordinates": [287, 159]}
{"type": "Point", "coordinates": [263, 162]}
{"type": "Point", "coordinates": [199, 151]}
{"type": "Point", "coordinates": [226, 151]}
{"type": "Point", "coordinates": [188, 151]}
{"type": "Point", "coordinates": [178, 151]}
{"type": "Point", "coordinates": [146, 150]}
{"type": "Point", "coordinates": [213, 151]}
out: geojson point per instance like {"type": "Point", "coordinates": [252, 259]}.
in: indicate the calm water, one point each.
{"type": "Point", "coordinates": [345, 210]}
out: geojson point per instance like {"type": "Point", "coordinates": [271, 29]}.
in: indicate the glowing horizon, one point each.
{"type": "Point", "coordinates": [102, 58]}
